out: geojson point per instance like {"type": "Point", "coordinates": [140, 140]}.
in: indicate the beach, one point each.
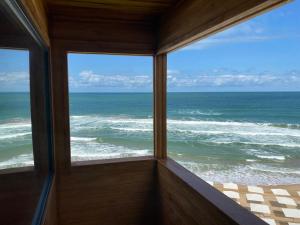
{"type": "Point", "coordinates": [276, 204]}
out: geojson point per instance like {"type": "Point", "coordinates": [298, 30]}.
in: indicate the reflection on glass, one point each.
{"type": "Point", "coordinates": [110, 106]}
{"type": "Point", "coordinates": [15, 120]}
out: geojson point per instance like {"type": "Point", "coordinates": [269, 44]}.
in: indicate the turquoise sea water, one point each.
{"type": "Point", "coordinates": [225, 137]}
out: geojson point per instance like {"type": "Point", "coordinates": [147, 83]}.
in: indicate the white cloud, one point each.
{"type": "Point", "coordinates": [88, 78]}
{"type": "Point", "coordinates": [234, 80]}
{"type": "Point", "coordinates": [13, 77]}
{"type": "Point", "coordinates": [244, 33]}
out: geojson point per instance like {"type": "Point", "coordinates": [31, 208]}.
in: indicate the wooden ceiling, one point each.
{"type": "Point", "coordinates": [148, 8]}
{"type": "Point", "coordinates": [146, 26]}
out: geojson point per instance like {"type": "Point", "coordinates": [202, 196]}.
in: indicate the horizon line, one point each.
{"type": "Point", "coordinates": [141, 92]}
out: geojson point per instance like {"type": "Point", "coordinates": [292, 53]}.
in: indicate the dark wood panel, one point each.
{"type": "Point", "coordinates": [160, 106]}
{"type": "Point", "coordinates": [50, 213]}
{"type": "Point", "coordinates": [108, 194]}
{"type": "Point", "coordinates": [135, 6]}
{"type": "Point", "coordinates": [94, 33]}
{"type": "Point", "coordinates": [186, 199]}
{"type": "Point", "coordinates": [39, 115]}
{"type": "Point", "coordinates": [60, 107]}
{"type": "Point", "coordinates": [196, 19]}
{"type": "Point", "coordinates": [19, 195]}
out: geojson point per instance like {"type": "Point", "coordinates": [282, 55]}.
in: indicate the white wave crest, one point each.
{"type": "Point", "coordinates": [22, 160]}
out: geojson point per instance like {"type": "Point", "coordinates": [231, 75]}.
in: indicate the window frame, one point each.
{"type": "Point", "coordinates": [103, 161]}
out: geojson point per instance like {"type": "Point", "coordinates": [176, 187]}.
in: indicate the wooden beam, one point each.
{"type": "Point", "coordinates": [39, 115]}
{"type": "Point", "coordinates": [36, 10]}
{"type": "Point", "coordinates": [160, 123]}
{"type": "Point", "coordinates": [60, 108]}
{"type": "Point", "coordinates": [192, 20]}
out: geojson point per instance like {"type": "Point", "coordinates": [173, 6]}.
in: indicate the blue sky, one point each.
{"type": "Point", "coordinates": [262, 54]}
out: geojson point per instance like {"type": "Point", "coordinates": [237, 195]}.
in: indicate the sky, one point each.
{"type": "Point", "coordinates": [262, 54]}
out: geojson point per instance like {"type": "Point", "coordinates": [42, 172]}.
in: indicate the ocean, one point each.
{"type": "Point", "coordinates": [249, 138]}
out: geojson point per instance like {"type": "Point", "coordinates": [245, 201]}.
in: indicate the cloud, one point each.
{"type": "Point", "coordinates": [14, 77]}
{"type": "Point", "coordinates": [216, 79]}
{"type": "Point", "coordinates": [249, 32]}
{"type": "Point", "coordinates": [88, 78]}
{"type": "Point", "coordinates": [234, 80]}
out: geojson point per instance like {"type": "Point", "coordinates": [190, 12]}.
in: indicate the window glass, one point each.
{"type": "Point", "coordinates": [234, 112]}
{"type": "Point", "coordinates": [25, 123]}
{"type": "Point", "coordinates": [15, 119]}
{"type": "Point", "coordinates": [110, 106]}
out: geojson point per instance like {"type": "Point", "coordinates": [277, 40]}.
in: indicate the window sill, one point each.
{"type": "Point", "coordinates": [109, 161]}
{"type": "Point", "coordinates": [24, 169]}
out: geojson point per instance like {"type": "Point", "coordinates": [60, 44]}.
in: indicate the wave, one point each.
{"type": "Point", "coordinates": [15, 125]}
{"type": "Point", "coordinates": [132, 129]}
{"type": "Point", "coordinates": [214, 132]}
{"type": "Point", "coordinates": [197, 112]}
{"type": "Point", "coordinates": [234, 133]}
{"type": "Point", "coordinates": [259, 143]}
{"type": "Point", "coordinates": [96, 150]}
{"type": "Point", "coordinates": [290, 126]}
{"type": "Point", "coordinates": [276, 157]}
{"type": "Point", "coordinates": [83, 139]}
{"type": "Point", "coordinates": [253, 174]}
{"type": "Point", "coordinates": [18, 161]}
{"type": "Point", "coordinates": [9, 136]}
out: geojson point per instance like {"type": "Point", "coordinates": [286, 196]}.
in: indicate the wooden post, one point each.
{"type": "Point", "coordinates": [60, 106]}
{"type": "Point", "coordinates": [160, 117]}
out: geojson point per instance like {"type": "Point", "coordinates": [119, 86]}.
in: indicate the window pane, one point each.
{"type": "Point", "coordinates": [110, 106]}
{"type": "Point", "coordinates": [15, 119]}
{"type": "Point", "coordinates": [234, 112]}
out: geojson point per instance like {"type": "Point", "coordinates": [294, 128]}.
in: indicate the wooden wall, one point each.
{"type": "Point", "coordinates": [103, 31]}
{"type": "Point", "coordinates": [19, 195]}
{"type": "Point", "coordinates": [50, 213]}
{"type": "Point", "coordinates": [110, 193]}
{"type": "Point", "coordinates": [186, 199]}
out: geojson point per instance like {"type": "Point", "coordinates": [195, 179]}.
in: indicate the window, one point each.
{"type": "Point", "coordinates": [234, 112]}
{"type": "Point", "coordinates": [110, 101]}
{"type": "Point", "coordinates": [15, 120]}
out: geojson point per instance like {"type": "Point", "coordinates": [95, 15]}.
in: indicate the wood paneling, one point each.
{"type": "Point", "coordinates": [111, 193]}
{"type": "Point", "coordinates": [19, 195]}
{"type": "Point", "coordinates": [50, 213]}
{"type": "Point", "coordinates": [133, 6]}
{"type": "Point", "coordinates": [160, 106]}
{"type": "Point", "coordinates": [60, 108]}
{"type": "Point", "coordinates": [37, 12]}
{"type": "Point", "coordinates": [186, 199]}
{"type": "Point", "coordinates": [196, 19]}
{"type": "Point", "coordinates": [38, 102]}
{"type": "Point", "coordinates": [94, 32]}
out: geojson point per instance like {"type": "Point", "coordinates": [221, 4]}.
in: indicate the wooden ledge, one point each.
{"type": "Point", "coordinates": [215, 199]}
{"type": "Point", "coordinates": [24, 169]}
{"type": "Point", "coordinates": [111, 161]}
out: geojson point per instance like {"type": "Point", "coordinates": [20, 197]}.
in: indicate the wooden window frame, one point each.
{"type": "Point", "coordinates": [60, 103]}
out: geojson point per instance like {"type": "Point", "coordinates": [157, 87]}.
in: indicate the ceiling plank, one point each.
{"type": "Point", "coordinates": [137, 6]}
